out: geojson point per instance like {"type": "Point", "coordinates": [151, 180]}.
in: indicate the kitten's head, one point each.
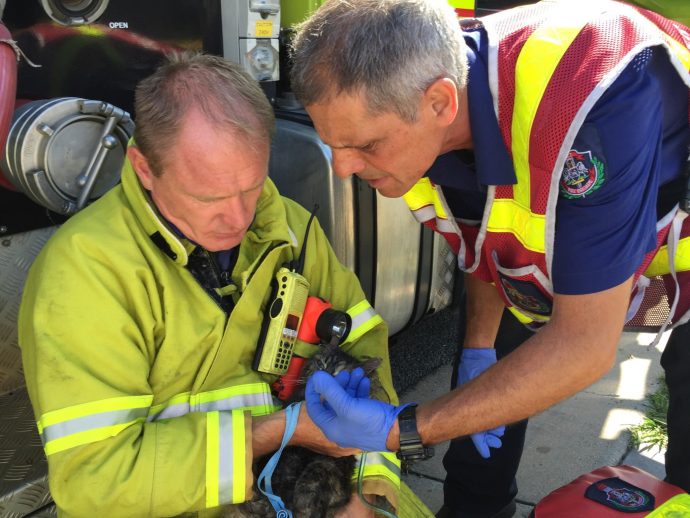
{"type": "Point", "coordinates": [333, 359]}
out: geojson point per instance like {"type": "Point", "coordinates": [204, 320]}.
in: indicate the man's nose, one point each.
{"type": "Point", "coordinates": [239, 212]}
{"type": "Point", "coordinates": [347, 162]}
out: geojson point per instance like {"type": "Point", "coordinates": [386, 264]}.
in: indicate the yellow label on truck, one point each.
{"type": "Point", "coordinates": [263, 29]}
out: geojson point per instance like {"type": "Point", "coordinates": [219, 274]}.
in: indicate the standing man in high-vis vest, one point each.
{"type": "Point", "coordinates": [548, 145]}
{"type": "Point", "coordinates": [142, 314]}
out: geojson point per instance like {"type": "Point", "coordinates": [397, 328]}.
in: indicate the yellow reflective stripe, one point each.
{"type": "Point", "coordinates": [381, 464]}
{"type": "Point", "coordinates": [674, 507]}
{"type": "Point", "coordinates": [384, 464]}
{"type": "Point", "coordinates": [237, 390]}
{"type": "Point", "coordinates": [424, 194]}
{"type": "Point", "coordinates": [255, 397]}
{"type": "Point", "coordinates": [523, 319]}
{"type": "Point", "coordinates": [212, 458]}
{"type": "Point", "coordinates": [509, 216]}
{"type": "Point", "coordinates": [660, 264]}
{"type": "Point", "coordinates": [226, 458]}
{"type": "Point", "coordinates": [90, 422]}
{"type": "Point", "coordinates": [536, 63]}
{"type": "Point", "coordinates": [682, 53]}
{"type": "Point", "coordinates": [94, 407]}
{"type": "Point", "coordinates": [462, 4]}
{"type": "Point", "coordinates": [364, 319]}
{"type": "Point", "coordinates": [239, 456]}
{"type": "Point", "coordinates": [87, 437]}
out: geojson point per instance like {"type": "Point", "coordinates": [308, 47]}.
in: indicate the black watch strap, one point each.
{"type": "Point", "coordinates": [411, 447]}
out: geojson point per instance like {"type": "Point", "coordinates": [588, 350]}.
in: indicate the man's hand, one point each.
{"type": "Point", "coordinates": [355, 383]}
{"type": "Point", "coordinates": [346, 415]}
{"type": "Point", "coordinates": [308, 435]}
{"type": "Point", "coordinates": [472, 363]}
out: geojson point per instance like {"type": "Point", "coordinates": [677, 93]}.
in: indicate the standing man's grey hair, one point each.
{"type": "Point", "coordinates": [220, 89]}
{"type": "Point", "coordinates": [391, 50]}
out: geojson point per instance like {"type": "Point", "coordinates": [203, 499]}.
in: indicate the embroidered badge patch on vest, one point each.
{"type": "Point", "coordinates": [582, 174]}
{"type": "Point", "coordinates": [525, 295]}
{"type": "Point", "coordinates": [620, 495]}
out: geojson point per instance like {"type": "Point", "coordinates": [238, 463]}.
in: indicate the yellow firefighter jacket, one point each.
{"type": "Point", "coordinates": [141, 384]}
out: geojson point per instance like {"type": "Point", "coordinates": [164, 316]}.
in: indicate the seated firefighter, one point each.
{"type": "Point", "coordinates": [141, 316]}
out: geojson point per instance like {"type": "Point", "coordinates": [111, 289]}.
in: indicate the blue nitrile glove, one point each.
{"type": "Point", "coordinates": [355, 383]}
{"type": "Point", "coordinates": [347, 420]}
{"type": "Point", "coordinates": [472, 363]}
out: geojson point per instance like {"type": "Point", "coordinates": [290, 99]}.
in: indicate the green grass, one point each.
{"type": "Point", "coordinates": [652, 432]}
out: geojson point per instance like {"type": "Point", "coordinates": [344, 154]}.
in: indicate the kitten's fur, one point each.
{"type": "Point", "coordinates": [311, 485]}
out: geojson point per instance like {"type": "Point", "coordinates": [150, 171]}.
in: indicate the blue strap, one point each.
{"type": "Point", "coordinates": [264, 480]}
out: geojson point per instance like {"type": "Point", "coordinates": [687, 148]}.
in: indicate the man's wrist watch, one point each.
{"type": "Point", "coordinates": [411, 447]}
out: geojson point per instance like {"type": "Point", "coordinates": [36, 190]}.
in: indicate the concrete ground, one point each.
{"type": "Point", "coordinates": [584, 432]}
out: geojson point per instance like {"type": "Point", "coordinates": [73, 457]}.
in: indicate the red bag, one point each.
{"type": "Point", "coordinates": [608, 492]}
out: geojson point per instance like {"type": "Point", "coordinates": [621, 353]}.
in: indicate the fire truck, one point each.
{"type": "Point", "coordinates": [68, 72]}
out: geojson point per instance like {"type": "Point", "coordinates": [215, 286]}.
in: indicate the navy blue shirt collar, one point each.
{"type": "Point", "coordinates": [492, 163]}
{"type": "Point", "coordinates": [223, 257]}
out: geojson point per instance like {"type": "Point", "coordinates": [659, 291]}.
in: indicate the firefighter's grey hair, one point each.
{"type": "Point", "coordinates": [391, 51]}
{"type": "Point", "coordinates": [224, 93]}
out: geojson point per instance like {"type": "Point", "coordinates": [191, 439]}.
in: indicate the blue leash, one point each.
{"type": "Point", "coordinates": [264, 480]}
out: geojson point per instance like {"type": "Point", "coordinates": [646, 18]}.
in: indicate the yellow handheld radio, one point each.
{"type": "Point", "coordinates": [283, 315]}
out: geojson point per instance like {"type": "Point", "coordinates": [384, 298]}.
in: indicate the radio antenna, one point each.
{"type": "Point", "coordinates": [299, 265]}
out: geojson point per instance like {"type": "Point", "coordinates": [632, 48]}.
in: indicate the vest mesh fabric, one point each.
{"type": "Point", "coordinates": [599, 51]}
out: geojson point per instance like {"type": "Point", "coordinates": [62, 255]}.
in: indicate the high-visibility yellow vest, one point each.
{"type": "Point", "coordinates": [537, 47]}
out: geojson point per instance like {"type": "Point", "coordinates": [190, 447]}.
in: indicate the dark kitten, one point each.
{"type": "Point", "coordinates": [310, 484]}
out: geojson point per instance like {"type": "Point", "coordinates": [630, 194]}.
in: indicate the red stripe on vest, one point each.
{"type": "Point", "coordinates": [676, 30]}
{"type": "Point", "coordinates": [513, 32]}
{"type": "Point", "coordinates": [464, 13]}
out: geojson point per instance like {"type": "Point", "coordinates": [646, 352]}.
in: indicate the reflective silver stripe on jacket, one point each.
{"type": "Point", "coordinates": [363, 317]}
{"type": "Point", "coordinates": [91, 422]}
{"type": "Point", "coordinates": [373, 458]}
{"type": "Point", "coordinates": [226, 460]}
{"type": "Point", "coordinates": [230, 403]}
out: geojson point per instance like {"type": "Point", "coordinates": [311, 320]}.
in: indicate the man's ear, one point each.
{"type": "Point", "coordinates": [140, 166]}
{"type": "Point", "coordinates": [441, 101]}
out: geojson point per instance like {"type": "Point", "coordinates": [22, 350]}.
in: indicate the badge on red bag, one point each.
{"type": "Point", "coordinates": [525, 295]}
{"type": "Point", "coordinates": [620, 495]}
